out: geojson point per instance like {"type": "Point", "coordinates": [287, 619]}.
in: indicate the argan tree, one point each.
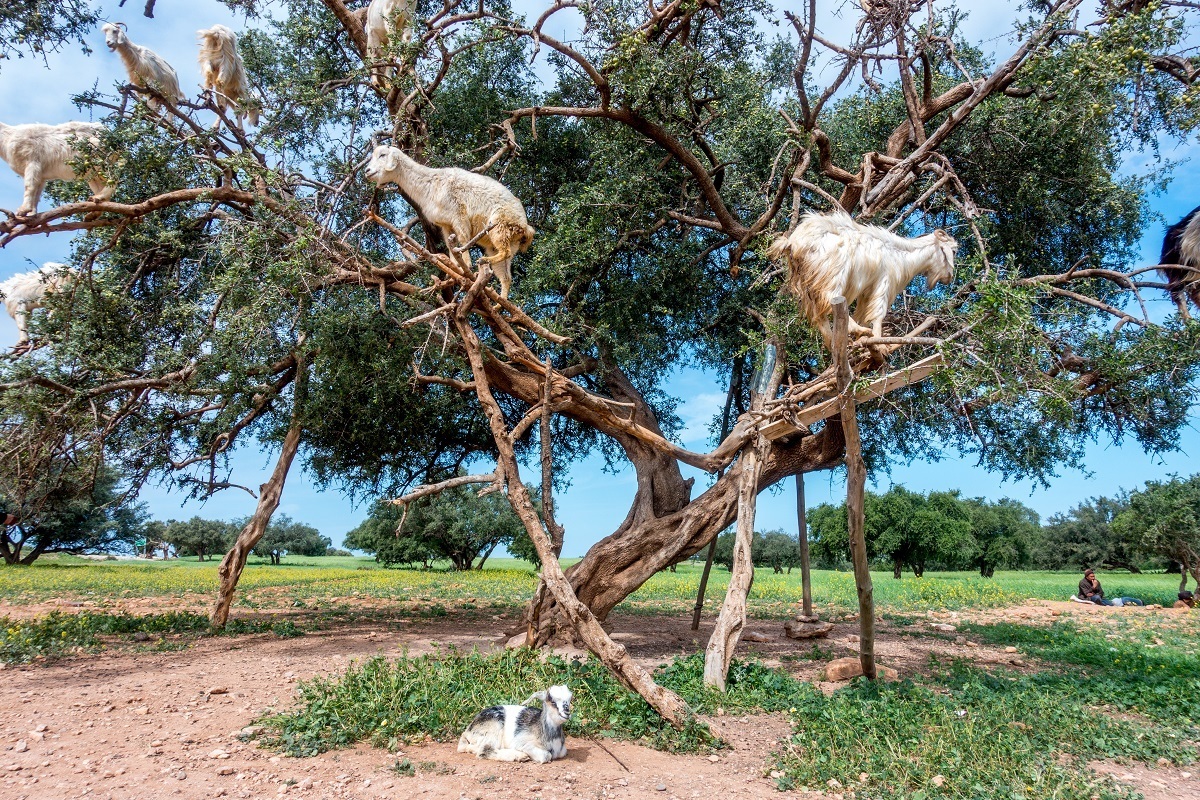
{"type": "Point", "coordinates": [250, 288]}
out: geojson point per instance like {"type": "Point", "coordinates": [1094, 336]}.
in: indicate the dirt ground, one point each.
{"type": "Point", "coordinates": [126, 724]}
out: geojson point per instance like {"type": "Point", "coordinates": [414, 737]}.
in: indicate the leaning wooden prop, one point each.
{"type": "Point", "coordinates": [831, 255]}
{"type": "Point", "coordinates": [521, 733]}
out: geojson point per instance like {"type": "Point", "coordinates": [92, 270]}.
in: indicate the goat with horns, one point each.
{"type": "Point", "coordinates": [463, 206]}
{"type": "Point", "coordinates": [831, 255]}
{"type": "Point", "coordinates": [146, 69]}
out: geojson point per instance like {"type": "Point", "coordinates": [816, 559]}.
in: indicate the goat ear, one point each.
{"type": "Point", "coordinates": [538, 696]}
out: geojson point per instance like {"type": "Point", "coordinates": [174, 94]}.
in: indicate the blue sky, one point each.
{"type": "Point", "coordinates": [596, 502]}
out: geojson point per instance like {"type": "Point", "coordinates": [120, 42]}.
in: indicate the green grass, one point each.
{"type": "Point", "coordinates": [960, 733]}
{"type": "Point", "coordinates": [56, 634]}
{"type": "Point", "coordinates": [508, 583]}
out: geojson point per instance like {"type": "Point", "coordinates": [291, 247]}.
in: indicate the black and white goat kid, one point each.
{"type": "Point", "coordinates": [521, 733]}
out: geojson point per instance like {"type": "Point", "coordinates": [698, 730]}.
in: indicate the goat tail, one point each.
{"type": "Point", "coordinates": [780, 249]}
{"type": "Point", "coordinates": [509, 238]}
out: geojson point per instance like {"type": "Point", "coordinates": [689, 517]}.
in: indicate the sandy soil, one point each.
{"type": "Point", "coordinates": [126, 724]}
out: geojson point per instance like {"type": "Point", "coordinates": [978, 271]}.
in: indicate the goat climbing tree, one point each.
{"type": "Point", "coordinates": [249, 288]}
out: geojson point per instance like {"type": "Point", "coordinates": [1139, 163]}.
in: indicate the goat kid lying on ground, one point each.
{"type": "Point", "coordinates": [145, 68]}
{"type": "Point", "coordinates": [27, 290]}
{"type": "Point", "coordinates": [830, 255]}
{"type": "Point", "coordinates": [521, 733]}
{"type": "Point", "coordinates": [461, 204]}
{"type": "Point", "coordinates": [41, 153]}
{"type": "Point", "coordinates": [384, 17]}
{"type": "Point", "coordinates": [223, 72]}
{"type": "Point", "coordinates": [1182, 246]}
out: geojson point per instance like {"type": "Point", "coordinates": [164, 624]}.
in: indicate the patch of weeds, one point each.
{"type": "Point", "coordinates": [408, 699]}
{"type": "Point", "coordinates": [404, 768]}
{"type": "Point", "coordinates": [286, 629]}
{"type": "Point", "coordinates": [57, 634]}
{"type": "Point", "coordinates": [427, 766]}
{"type": "Point", "coordinates": [987, 736]}
{"type": "Point", "coordinates": [488, 779]}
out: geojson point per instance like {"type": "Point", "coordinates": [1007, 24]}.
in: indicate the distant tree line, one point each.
{"type": "Point", "coordinates": [205, 538]}
{"type": "Point", "coordinates": [1157, 527]}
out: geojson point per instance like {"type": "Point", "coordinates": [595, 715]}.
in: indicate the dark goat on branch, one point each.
{"type": "Point", "coordinates": [1181, 246]}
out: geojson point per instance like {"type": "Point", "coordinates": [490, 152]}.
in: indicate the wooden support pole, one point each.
{"type": "Point", "coordinates": [735, 389]}
{"type": "Point", "coordinates": [802, 529]}
{"type": "Point", "coordinates": [856, 479]}
{"type": "Point", "coordinates": [728, 628]}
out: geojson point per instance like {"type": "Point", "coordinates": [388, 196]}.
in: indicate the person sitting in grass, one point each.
{"type": "Point", "coordinates": [1186, 600]}
{"type": "Point", "coordinates": [1090, 591]}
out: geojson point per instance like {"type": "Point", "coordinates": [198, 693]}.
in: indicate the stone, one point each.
{"type": "Point", "coordinates": [516, 641]}
{"type": "Point", "coordinates": [225, 770]}
{"type": "Point", "coordinates": [833, 783]}
{"type": "Point", "coordinates": [142, 711]}
{"type": "Point", "coordinates": [944, 627]}
{"type": "Point", "coordinates": [714, 758]}
{"type": "Point", "coordinates": [843, 669]}
{"type": "Point", "coordinates": [799, 629]}
{"type": "Point", "coordinates": [807, 619]}
{"type": "Point", "coordinates": [662, 787]}
{"type": "Point", "coordinates": [938, 780]}
{"type": "Point", "coordinates": [22, 746]}
{"type": "Point", "coordinates": [219, 690]}
{"type": "Point", "coordinates": [1010, 649]}
{"type": "Point", "coordinates": [756, 636]}
{"type": "Point", "coordinates": [1163, 762]}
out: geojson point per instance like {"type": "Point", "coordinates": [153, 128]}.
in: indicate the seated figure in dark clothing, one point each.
{"type": "Point", "coordinates": [1091, 591]}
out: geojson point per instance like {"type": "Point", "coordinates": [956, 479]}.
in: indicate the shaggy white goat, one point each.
{"type": "Point", "coordinates": [41, 153]}
{"type": "Point", "coordinates": [462, 204]}
{"type": "Point", "coordinates": [521, 733]}
{"type": "Point", "coordinates": [223, 72]}
{"type": "Point", "coordinates": [383, 18]}
{"type": "Point", "coordinates": [146, 69]}
{"type": "Point", "coordinates": [26, 291]}
{"type": "Point", "coordinates": [831, 254]}
{"type": "Point", "coordinates": [1181, 246]}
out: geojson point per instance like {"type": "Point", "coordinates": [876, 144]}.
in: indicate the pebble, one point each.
{"type": "Point", "coordinates": [218, 753]}
{"type": "Point", "coordinates": [22, 746]}
{"type": "Point", "coordinates": [219, 690]}
{"type": "Point", "coordinates": [776, 773]}
{"type": "Point", "coordinates": [662, 787]}
{"type": "Point", "coordinates": [1163, 762]}
{"type": "Point", "coordinates": [863, 777]}
{"type": "Point", "coordinates": [833, 783]}
{"type": "Point", "coordinates": [180, 775]}
{"type": "Point", "coordinates": [142, 711]}
{"type": "Point", "coordinates": [225, 770]}
{"type": "Point", "coordinates": [305, 784]}
{"type": "Point", "coordinates": [714, 758]}
{"type": "Point", "coordinates": [1010, 649]}
{"type": "Point", "coordinates": [938, 780]}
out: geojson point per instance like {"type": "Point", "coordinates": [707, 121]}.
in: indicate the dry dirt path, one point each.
{"type": "Point", "coordinates": [137, 725]}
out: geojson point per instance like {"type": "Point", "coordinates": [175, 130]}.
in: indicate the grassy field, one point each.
{"type": "Point", "coordinates": [508, 583]}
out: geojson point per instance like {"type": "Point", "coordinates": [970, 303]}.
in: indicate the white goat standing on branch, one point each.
{"type": "Point", "coordinates": [462, 204]}
{"type": "Point", "coordinates": [26, 291]}
{"type": "Point", "coordinates": [830, 255]}
{"type": "Point", "coordinates": [223, 72]}
{"type": "Point", "coordinates": [41, 153]}
{"type": "Point", "coordinates": [383, 19]}
{"type": "Point", "coordinates": [146, 69]}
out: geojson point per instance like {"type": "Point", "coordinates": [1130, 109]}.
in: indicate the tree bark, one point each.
{"type": "Point", "coordinates": [856, 479]}
{"type": "Point", "coordinates": [268, 500]}
{"type": "Point", "coordinates": [614, 656]}
{"type": "Point", "coordinates": [735, 388]}
{"type": "Point", "coordinates": [805, 563]}
{"type": "Point", "coordinates": [732, 617]}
